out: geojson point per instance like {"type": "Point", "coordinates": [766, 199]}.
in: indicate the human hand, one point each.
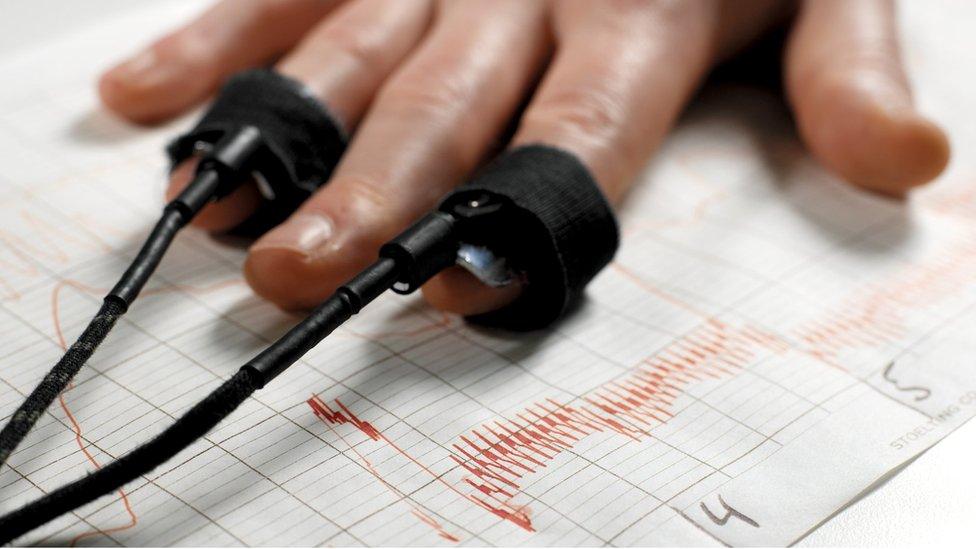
{"type": "Point", "coordinates": [430, 89]}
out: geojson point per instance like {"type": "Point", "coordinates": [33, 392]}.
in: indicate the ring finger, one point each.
{"type": "Point", "coordinates": [622, 73]}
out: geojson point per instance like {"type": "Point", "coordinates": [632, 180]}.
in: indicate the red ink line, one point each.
{"type": "Point", "coordinates": [876, 316]}
{"type": "Point", "coordinates": [699, 209]}
{"type": "Point", "coordinates": [75, 426]}
{"type": "Point", "coordinates": [55, 314]}
{"type": "Point", "coordinates": [498, 459]}
{"type": "Point", "coordinates": [499, 455]}
{"type": "Point", "coordinates": [430, 521]}
{"type": "Point", "coordinates": [46, 242]}
{"type": "Point", "coordinates": [343, 416]}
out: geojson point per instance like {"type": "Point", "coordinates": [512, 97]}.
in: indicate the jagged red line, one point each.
{"type": "Point", "coordinates": [344, 416]}
{"type": "Point", "coordinates": [497, 456]}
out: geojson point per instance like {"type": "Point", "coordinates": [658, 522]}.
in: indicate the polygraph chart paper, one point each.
{"type": "Point", "coordinates": [767, 344]}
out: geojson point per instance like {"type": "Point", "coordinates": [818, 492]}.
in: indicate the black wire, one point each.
{"type": "Point", "coordinates": [347, 300]}
{"type": "Point", "coordinates": [150, 255]}
{"type": "Point", "coordinates": [114, 306]}
{"type": "Point", "coordinates": [205, 185]}
{"type": "Point", "coordinates": [192, 425]}
{"type": "Point", "coordinates": [423, 248]}
{"type": "Point", "coordinates": [58, 378]}
{"type": "Point", "coordinates": [217, 174]}
{"type": "Point", "coordinates": [420, 252]}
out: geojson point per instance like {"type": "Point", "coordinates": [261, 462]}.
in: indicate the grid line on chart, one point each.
{"type": "Point", "coordinates": [709, 349]}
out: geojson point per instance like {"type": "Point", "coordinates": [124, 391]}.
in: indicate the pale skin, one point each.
{"type": "Point", "coordinates": [429, 88]}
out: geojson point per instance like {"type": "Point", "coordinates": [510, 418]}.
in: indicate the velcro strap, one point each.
{"type": "Point", "coordinates": [304, 140]}
{"type": "Point", "coordinates": [553, 223]}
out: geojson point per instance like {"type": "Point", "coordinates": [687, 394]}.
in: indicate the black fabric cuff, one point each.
{"type": "Point", "coordinates": [304, 140]}
{"type": "Point", "coordinates": [553, 223]}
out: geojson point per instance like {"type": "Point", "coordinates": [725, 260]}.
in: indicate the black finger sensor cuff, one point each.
{"type": "Point", "coordinates": [302, 141]}
{"type": "Point", "coordinates": [539, 208]}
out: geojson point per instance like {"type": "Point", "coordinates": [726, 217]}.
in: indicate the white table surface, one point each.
{"type": "Point", "coordinates": [931, 502]}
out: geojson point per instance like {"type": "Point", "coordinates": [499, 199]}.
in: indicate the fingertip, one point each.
{"type": "Point", "coordinates": [853, 100]}
{"type": "Point", "coordinates": [302, 261]}
{"type": "Point", "coordinates": [293, 280]}
{"type": "Point", "coordinates": [152, 86]}
{"type": "Point", "coordinates": [918, 152]}
{"type": "Point", "coordinates": [281, 276]}
{"type": "Point", "coordinates": [457, 291]}
{"type": "Point", "coordinates": [874, 141]}
{"type": "Point", "coordinates": [120, 91]}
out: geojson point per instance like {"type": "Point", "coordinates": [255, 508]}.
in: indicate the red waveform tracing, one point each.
{"type": "Point", "coordinates": [344, 416]}
{"type": "Point", "coordinates": [876, 316]}
{"type": "Point", "coordinates": [47, 241]}
{"type": "Point", "coordinates": [75, 426]}
{"type": "Point", "coordinates": [498, 455]}
{"type": "Point", "coordinates": [432, 522]}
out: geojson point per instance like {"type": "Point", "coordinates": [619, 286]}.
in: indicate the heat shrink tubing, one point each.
{"type": "Point", "coordinates": [534, 216]}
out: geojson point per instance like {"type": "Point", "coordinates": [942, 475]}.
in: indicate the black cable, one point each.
{"type": "Point", "coordinates": [188, 428]}
{"type": "Point", "coordinates": [149, 256]}
{"type": "Point", "coordinates": [514, 209]}
{"type": "Point", "coordinates": [329, 315]}
{"type": "Point", "coordinates": [345, 302]}
{"type": "Point", "coordinates": [58, 378]}
{"type": "Point", "coordinates": [113, 307]}
{"type": "Point", "coordinates": [217, 173]}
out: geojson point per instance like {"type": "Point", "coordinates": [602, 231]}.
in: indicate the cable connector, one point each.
{"type": "Point", "coordinates": [426, 248]}
{"type": "Point", "coordinates": [301, 141]}
{"type": "Point", "coordinates": [223, 168]}
{"type": "Point", "coordinates": [234, 157]}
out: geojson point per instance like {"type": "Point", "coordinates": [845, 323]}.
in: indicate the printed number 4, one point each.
{"type": "Point", "coordinates": [729, 513]}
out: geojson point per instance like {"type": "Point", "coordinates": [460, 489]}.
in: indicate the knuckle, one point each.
{"type": "Point", "coordinates": [355, 42]}
{"type": "Point", "coordinates": [584, 110]}
{"type": "Point", "coordinates": [364, 194]}
{"type": "Point", "coordinates": [851, 63]}
{"type": "Point", "coordinates": [877, 55]}
{"type": "Point", "coordinates": [641, 21]}
{"type": "Point", "coordinates": [638, 6]}
{"type": "Point", "coordinates": [370, 203]}
{"type": "Point", "coordinates": [434, 86]}
{"type": "Point", "coordinates": [422, 97]}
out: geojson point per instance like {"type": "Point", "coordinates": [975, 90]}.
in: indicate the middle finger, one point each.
{"type": "Point", "coordinates": [432, 123]}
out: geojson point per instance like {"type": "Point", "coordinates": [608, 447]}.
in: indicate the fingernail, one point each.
{"type": "Point", "coordinates": [303, 233]}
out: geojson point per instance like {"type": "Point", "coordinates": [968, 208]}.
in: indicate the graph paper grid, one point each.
{"type": "Point", "coordinates": [767, 345]}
